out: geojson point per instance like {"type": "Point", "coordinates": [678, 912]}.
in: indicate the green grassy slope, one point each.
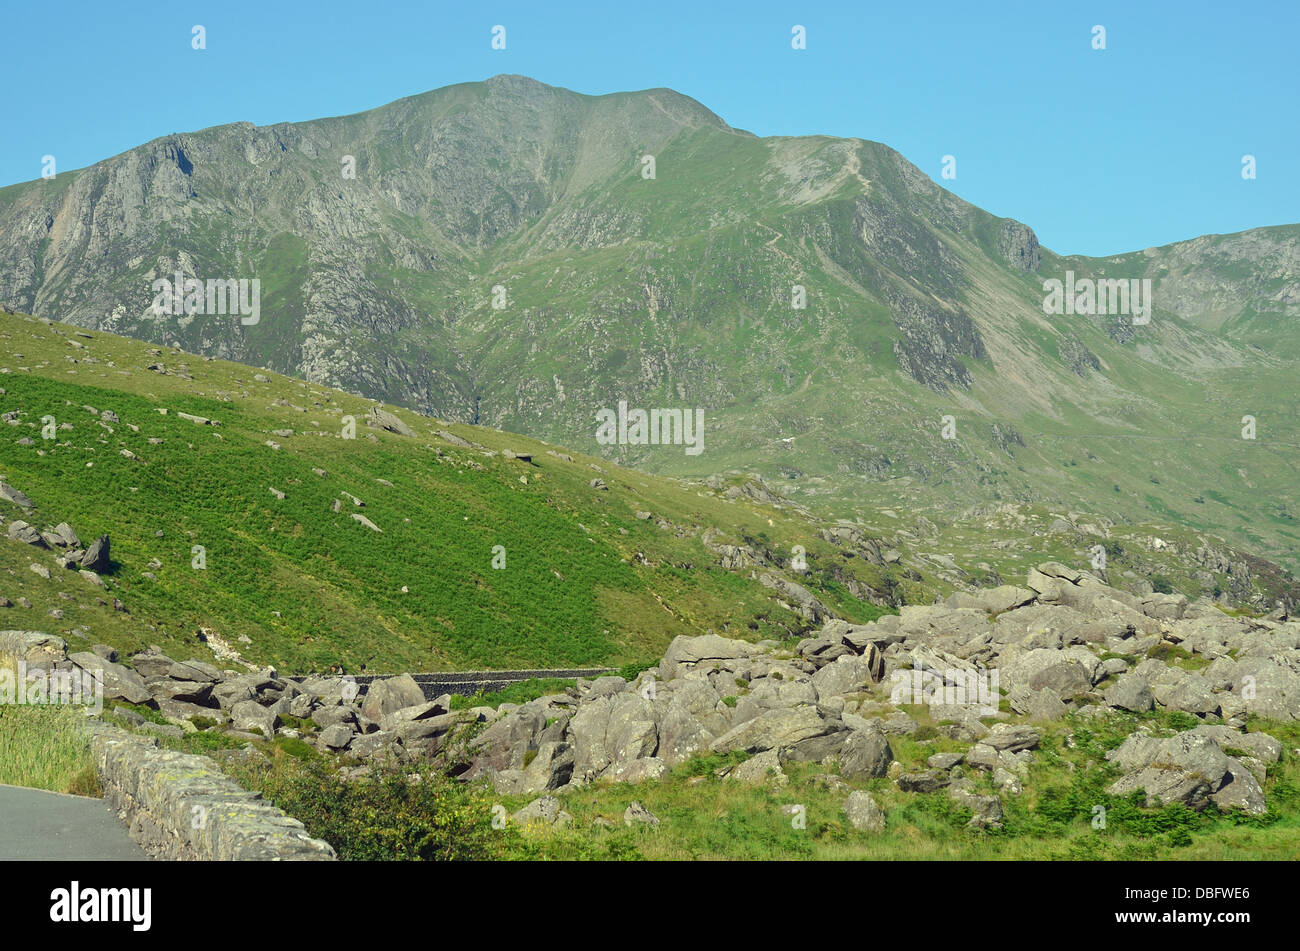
{"type": "Point", "coordinates": [585, 581]}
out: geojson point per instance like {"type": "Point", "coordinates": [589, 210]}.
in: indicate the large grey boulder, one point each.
{"type": "Point", "coordinates": [863, 813]}
{"type": "Point", "coordinates": [816, 749]}
{"type": "Point", "coordinates": [689, 651]}
{"type": "Point", "coordinates": [10, 494]}
{"type": "Point", "coordinates": [324, 716]}
{"type": "Point", "coordinates": [424, 729]}
{"type": "Point", "coordinates": [865, 754]}
{"type": "Point", "coordinates": [551, 768]}
{"type": "Point", "coordinates": [505, 744]}
{"type": "Point", "coordinates": [96, 557]}
{"type": "Point", "coordinates": [1267, 688]}
{"type": "Point", "coordinates": [1241, 791]}
{"type": "Point", "coordinates": [196, 671]}
{"type": "Point", "coordinates": [1186, 768]}
{"type": "Point", "coordinates": [997, 600]}
{"type": "Point", "coordinates": [385, 420]}
{"type": "Point", "coordinates": [772, 729]}
{"type": "Point", "coordinates": [611, 731]}
{"type": "Point", "coordinates": [1061, 670]}
{"type": "Point", "coordinates": [336, 738]}
{"type": "Point", "coordinates": [1186, 692]}
{"type": "Point", "coordinates": [760, 770]}
{"type": "Point", "coordinates": [120, 683]}
{"type": "Point", "coordinates": [1130, 692]}
{"type": "Point", "coordinates": [1165, 607]}
{"type": "Point", "coordinates": [986, 811]}
{"type": "Point", "coordinates": [390, 695]}
{"type": "Point", "coordinates": [35, 648]}
{"type": "Point", "coordinates": [1010, 737]}
{"type": "Point", "coordinates": [545, 811]}
{"type": "Point", "coordinates": [22, 532]}
{"type": "Point", "coordinates": [152, 664]}
{"type": "Point", "coordinates": [420, 711]}
{"type": "Point", "coordinates": [184, 691]}
{"type": "Point", "coordinates": [637, 814]}
{"type": "Point", "coordinates": [848, 674]}
{"type": "Point", "coordinates": [250, 716]}
{"type": "Point", "coordinates": [691, 722]}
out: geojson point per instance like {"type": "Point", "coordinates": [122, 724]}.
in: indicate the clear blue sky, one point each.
{"type": "Point", "coordinates": [1099, 151]}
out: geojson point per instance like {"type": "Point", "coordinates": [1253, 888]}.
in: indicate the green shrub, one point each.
{"type": "Point", "coordinates": [386, 816]}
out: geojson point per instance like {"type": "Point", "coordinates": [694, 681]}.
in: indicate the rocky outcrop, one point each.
{"type": "Point", "coordinates": [990, 668]}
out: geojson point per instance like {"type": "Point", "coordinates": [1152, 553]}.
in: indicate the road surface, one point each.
{"type": "Point", "coordinates": [41, 826]}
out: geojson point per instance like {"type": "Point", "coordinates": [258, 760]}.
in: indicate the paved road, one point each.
{"type": "Point", "coordinates": [41, 826]}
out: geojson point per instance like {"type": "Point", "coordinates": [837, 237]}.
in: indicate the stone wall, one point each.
{"type": "Point", "coordinates": [182, 807]}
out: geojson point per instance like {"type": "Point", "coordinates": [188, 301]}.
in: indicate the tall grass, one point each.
{"type": "Point", "coordinates": [44, 746]}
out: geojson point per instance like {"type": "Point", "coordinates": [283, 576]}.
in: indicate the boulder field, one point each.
{"type": "Point", "coordinates": [989, 668]}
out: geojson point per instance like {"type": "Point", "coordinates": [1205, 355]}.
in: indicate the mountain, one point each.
{"type": "Point", "coordinates": [501, 257]}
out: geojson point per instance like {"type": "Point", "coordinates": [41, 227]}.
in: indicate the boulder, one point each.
{"type": "Point", "coordinates": [120, 683]}
{"type": "Point", "coordinates": [866, 754]}
{"type": "Point", "coordinates": [642, 770]}
{"type": "Point", "coordinates": [986, 810]}
{"type": "Point", "coordinates": [816, 749]}
{"type": "Point", "coordinates": [760, 770]}
{"type": "Point", "coordinates": [1186, 768]}
{"type": "Point", "coordinates": [419, 711]}
{"type": "Point", "coordinates": [772, 729]}
{"type": "Point", "coordinates": [1045, 667]}
{"type": "Point", "coordinates": [551, 768]}
{"type": "Point", "coordinates": [194, 670]}
{"type": "Point", "coordinates": [944, 760]}
{"type": "Point", "coordinates": [390, 695]}
{"type": "Point", "coordinates": [152, 664]}
{"type": "Point", "coordinates": [863, 813]}
{"type": "Point", "coordinates": [22, 532]}
{"type": "Point", "coordinates": [35, 648]}
{"type": "Point", "coordinates": [336, 738]}
{"type": "Point", "coordinates": [637, 814]}
{"type": "Point", "coordinates": [1241, 791]}
{"type": "Point", "coordinates": [691, 722]}
{"type": "Point", "coordinates": [848, 674]}
{"type": "Point", "coordinates": [545, 811]}
{"type": "Point", "coordinates": [250, 716]}
{"type": "Point", "coordinates": [689, 651]}
{"type": "Point", "coordinates": [1012, 738]}
{"type": "Point", "coordinates": [96, 557]}
{"type": "Point", "coordinates": [183, 691]}
{"type": "Point", "coordinates": [925, 781]}
{"type": "Point", "coordinates": [389, 421]}
{"type": "Point", "coordinates": [10, 494]}
{"type": "Point", "coordinates": [1186, 692]}
{"type": "Point", "coordinates": [1130, 692]}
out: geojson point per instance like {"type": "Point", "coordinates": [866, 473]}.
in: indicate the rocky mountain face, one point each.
{"type": "Point", "coordinates": [521, 256]}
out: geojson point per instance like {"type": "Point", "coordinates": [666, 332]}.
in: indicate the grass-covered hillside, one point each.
{"type": "Point", "coordinates": [299, 582]}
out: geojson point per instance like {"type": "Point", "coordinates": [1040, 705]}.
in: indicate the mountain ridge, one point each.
{"type": "Point", "coordinates": [677, 291]}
